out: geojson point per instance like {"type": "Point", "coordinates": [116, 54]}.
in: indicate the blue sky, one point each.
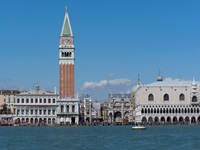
{"type": "Point", "coordinates": [115, 41]}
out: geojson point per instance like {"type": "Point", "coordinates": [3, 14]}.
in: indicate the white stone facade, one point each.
{"type": "Point", "coordinates": [167, 102]}
{"type": "Point", "coordinates": [120, 110]}
{"type": "Point", "coordinates": [68, 111]}
{"type": "Point", "coordinates": [36, 107]}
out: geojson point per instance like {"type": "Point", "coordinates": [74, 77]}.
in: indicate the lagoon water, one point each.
{"type": "Point", "coordinates": [100, 138]}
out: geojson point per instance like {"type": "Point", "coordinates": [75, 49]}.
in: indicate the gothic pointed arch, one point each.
{"type": "Point", "coordinates": [150, 97]}
{"type": "Point", "coordinates": [181, 97]}
{"type": "Point", "coordinates": [194, 99]}
{"type": "Point", "coordinates": [166, 97]}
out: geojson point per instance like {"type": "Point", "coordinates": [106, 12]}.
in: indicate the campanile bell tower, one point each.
{"type": "Point", "coordinates": [66, 59]}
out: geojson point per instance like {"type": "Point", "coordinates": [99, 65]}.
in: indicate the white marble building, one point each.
{"type": "Point", "coordinates": [166, 102]}
{"type": "Point", "coordinates": [36, 107]}
{"type": "Point", "coordinates": [120, 110]}
{"type": "Point", "coordinates": [68, 111]}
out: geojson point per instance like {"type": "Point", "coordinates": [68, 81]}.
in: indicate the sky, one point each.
{"type": "Point", "coordinates": [115, 42]}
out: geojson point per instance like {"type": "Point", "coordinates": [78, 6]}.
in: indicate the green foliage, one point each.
{"type": "Point", "coordinates": [5, 109]}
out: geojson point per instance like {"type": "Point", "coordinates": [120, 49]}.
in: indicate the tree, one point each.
{"type": "Point", "coordinates": [4, 109]}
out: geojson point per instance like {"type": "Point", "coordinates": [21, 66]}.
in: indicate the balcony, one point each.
{"type": "Point", "coordinates": [67, 113]}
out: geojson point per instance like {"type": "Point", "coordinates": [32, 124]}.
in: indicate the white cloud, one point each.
{"type": "Point", "coordinates": [106, 83]}
{"type": "Point", "coordinates": [111, 75]}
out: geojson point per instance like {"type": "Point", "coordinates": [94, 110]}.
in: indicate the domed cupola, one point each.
{"type": "Point", "coordinates": [194, 84]}
{"type": "Point", "coordinates": [159, 78]}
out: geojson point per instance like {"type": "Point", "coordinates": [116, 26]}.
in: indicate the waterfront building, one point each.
{"type": "Point", "coordinates": [7, 119]}
{"type": "Point", "coordinates": [36, 107]}
{"type": "Point", "coordinates": [104, 112]}
{"type": "Point", "coordinates": [68, 105]}
{"type": "Point", "coordinates": [120, 110]}
{"type": "Point", "coordinates": [87, 109]}
{"type": "Point", "coordinates": [8, 97]}
{"type": "Point", "coordinates": [167, 102]}
{"type": "Point", "coordinates": [91, 111]}
{"type": "Point", "coordinates": [96, 112]}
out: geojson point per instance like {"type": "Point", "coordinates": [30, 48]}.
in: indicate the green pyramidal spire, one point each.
{"type": "Point", "coordinates": [66, 28]}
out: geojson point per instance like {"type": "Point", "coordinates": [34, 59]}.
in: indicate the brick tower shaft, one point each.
{"type": "Point", "coordinates": [66, 60]}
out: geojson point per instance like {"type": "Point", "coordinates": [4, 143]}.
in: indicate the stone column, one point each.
{"type": "Point", "coordinates": [64, 120]}
{"type": "Point", "coordinates": [65, 110]}
{"type": "Point", "coordinates": [70, 108]}
{"type": "Point", "coordinates": [122, 112]}
{"type": "Point", "coordinates": [90, 112]}
{"type": "Point", "coordinates": [113, 117]}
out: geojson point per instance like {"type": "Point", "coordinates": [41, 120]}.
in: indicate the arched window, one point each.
{"type": "Point", "coordinates": [151, 97]}
{"type": "Point", "coordinates": [182, 97]}
{"type": "Point", "coordinates": [61, 108]}
{"type": "Point", "coordinates": [166, 97]}
{"type": "Point", "coordinates": [73, 108]}
{"type": "Point", "coordinates": [194, 99]}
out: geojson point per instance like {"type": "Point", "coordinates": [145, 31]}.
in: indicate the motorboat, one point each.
{"type": "Point", "coordinates": [139, 127]}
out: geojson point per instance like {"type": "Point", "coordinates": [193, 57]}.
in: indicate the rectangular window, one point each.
{"type": "Point", "coordinates": [73, 108]}
{"type": "Point", "coordinates": [22, 100]}
{"type": "Point", "coordinates": [36, 112]}
{"type": "Point", "coordinates": [49, 100]}
{"type": "Point", "coordinates": [54, 101]}
{"type": "Point", "coordinates": [31, 100]}
{"type": "Point", "coordinates": [44, 112]}
{"type": "Point", "coordinates": [44, 100]}
{"type": "Point", "coordinates": [27, 112]}
{"type": "Point", "coordinates": [18, 100]}
{"type": "Point", "coordinates": [40, 112]}
{"type": "Point", "coordinates": [18, 112]}
{"type": "Point", "coordinates": [36, 100]}
{"type": "Point", "coordinates": [31, 111]}
{"type": "Point", "coordinates": [27, 100]}
{"type": "Point", "coordinates": [22, 111]}
{"type": "Point", "coordinates": [53, 112]}
{"type": "Point", "coordinates": [40, 100]}
{"type": "Point", "coordinates": [49, 112]}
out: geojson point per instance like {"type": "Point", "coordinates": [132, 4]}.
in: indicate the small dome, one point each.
{"type": "Point", "coordinates": [159, 78]}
